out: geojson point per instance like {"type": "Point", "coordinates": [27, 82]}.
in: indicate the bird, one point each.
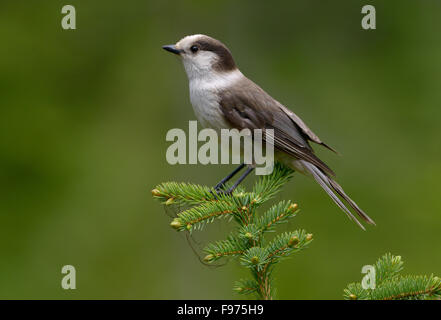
{"type": "Point", "coordinates": [224, 98]}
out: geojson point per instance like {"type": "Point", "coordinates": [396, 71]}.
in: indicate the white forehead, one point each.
{"type": "Point", "coordinates": [189, 40]}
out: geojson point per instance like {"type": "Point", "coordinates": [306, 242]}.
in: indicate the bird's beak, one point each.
{"type": "Point", "coordinates": [172, 48]}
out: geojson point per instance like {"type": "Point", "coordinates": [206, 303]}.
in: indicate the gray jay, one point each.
{"type": "Point", "coordinates": [222, 97]}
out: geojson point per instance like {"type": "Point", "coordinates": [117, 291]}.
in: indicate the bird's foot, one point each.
{"type": "Point", "coordinates": [219, 190]}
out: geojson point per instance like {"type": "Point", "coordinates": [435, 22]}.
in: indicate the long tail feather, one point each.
{"type": "Point", "coordinates": [331, 187]}
{"type": "Point", "coordinates": [351, 202]}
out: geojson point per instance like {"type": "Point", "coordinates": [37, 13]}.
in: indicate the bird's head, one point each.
{"type": "Point", "coordinates": [202, 56]}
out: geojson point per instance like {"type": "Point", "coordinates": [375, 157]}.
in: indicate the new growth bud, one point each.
{"type": "Point", "coordinates": [293, 242]}
{"type": "Point", "coordinates": [176, 224]}
{"type": "Point", "coordinates": [156, 192]}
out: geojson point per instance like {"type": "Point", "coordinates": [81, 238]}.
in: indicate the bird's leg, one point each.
{"type": "Point", "coordinates": [227, 178]}
{"type": "Point", "coordinates": [241, 178]}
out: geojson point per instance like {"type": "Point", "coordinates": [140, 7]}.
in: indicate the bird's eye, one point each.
{"type": "Point", "coordinates": [194, 49]}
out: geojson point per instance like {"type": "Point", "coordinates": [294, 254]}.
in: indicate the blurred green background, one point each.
{"type": "Point", "coordinates": [84, 115]}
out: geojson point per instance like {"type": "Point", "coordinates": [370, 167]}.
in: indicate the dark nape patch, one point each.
{"type": "Point", "coordinates": [226, 61]}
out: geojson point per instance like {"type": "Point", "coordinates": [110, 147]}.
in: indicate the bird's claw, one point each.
{"type": "Point", "coordinates": [219, 190]}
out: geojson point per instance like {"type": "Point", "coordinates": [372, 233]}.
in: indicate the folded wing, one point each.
{"type": "Point", "coordinates": [248, 106]}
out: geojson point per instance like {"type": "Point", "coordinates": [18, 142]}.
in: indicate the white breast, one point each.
{"type": "Point", "coordinates": [205, 99]}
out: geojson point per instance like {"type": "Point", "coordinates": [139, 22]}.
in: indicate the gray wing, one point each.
{"type": "Point", "coordinates": [248, 106]}
{"type": "Point", "coordinates": [304, 128]}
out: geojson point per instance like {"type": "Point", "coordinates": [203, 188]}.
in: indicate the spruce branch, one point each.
{"type": "Point", "coordinates": [279, 213]}
{"type": "Point", "coordinates": [232, 246]}
{"type": "Point", "coordinates": [390, 285]}
{"type": "Point", "coordinates": [387, 268]}
{"type": "Point", "coordinates": [182, 193]}
{"type": "Point", "coordinates": [247, 241]}
{"type": "Point", "coordinates": [205, 213]}
{"type": "Point", "coordinates": [409, 288]}
{"type": "Point", "coordinates": [287, 243]}
{"type": "Point", "coordinates": [268, 186]}
{"type": "Point", "coordinates": [246, 286]}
